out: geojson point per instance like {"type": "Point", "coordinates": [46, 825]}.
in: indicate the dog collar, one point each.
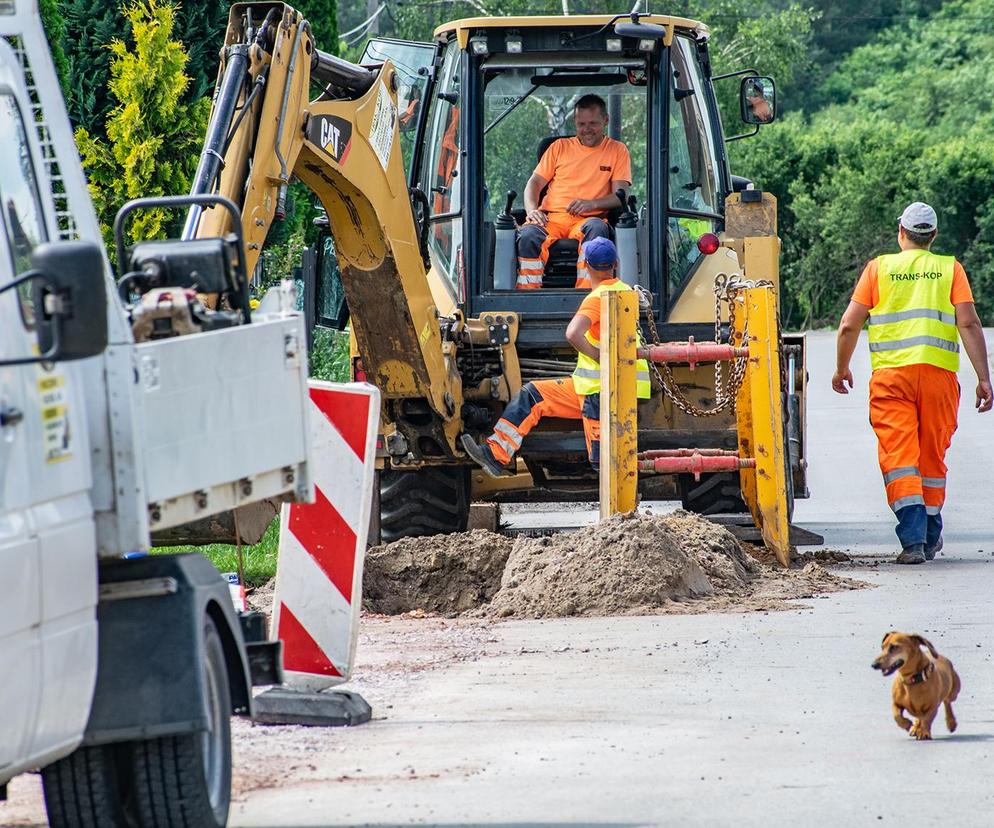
{"type": "Point", "coordinates": [920, 676]}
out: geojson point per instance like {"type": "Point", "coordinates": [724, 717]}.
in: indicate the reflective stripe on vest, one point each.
{"type": "Point", "coordinates": [587, 374]}
{"type": "Point", "coordinates": [914, 320]}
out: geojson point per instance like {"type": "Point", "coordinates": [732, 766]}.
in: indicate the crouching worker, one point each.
{"type": "Point", "coordinates": [574, 398]}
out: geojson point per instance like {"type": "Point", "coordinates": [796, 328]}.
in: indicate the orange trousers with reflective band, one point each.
{"type": "Point", "coordinates": [913, 411]}
{"type": "Point", "coordinates": [546, 398]}
{"type": "Point", "coordinates": [534, 242]}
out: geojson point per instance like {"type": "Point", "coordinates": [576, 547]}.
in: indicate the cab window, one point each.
{"type": "Point", "coordinates": [440, 172]}
{"type": "Point", "coordinates": [693, 172]}
{"type": "Point", "coordinates": [412, 61]}
{"type": "Point", "coordinates": [20, 206]}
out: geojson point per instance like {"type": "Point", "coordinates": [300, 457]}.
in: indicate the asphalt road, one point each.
{"type": "Point", "coordinates": [740, 720]}
{"type": "Point", "coordinates": [707, 720]}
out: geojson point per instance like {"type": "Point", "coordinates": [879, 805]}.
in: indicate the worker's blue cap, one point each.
{"type": "Point", "coordinates": [601, 253]}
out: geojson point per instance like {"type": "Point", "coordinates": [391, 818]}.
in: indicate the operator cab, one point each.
{"type": "Point", "coordinates": [482, 104]}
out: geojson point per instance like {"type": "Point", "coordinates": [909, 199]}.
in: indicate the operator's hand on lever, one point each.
{"type": "Point", "coordinates": [841, 380]}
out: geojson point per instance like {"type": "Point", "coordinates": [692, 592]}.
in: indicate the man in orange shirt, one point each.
{"type": "Point", "coordinates": [582, 174]}
{"type": "Point", "coordinates": [574, 398]}
{"type": "Point", "coordinates": [919, 305]}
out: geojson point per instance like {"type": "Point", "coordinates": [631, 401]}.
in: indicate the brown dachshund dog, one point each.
{"type": "Point", "coordinates": [922, 683]}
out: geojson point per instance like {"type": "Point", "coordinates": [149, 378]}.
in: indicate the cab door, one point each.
{"type": "Point", "coordinates": [48, 561]}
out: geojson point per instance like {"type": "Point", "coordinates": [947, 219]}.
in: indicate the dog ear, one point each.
{"type": "Point", "coordinates": [886, 636]}
{"type": "Point", "coordinates": [924, 642]}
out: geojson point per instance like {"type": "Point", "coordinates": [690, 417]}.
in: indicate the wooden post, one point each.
{"type": "Point", "coordinates": [619, 413]}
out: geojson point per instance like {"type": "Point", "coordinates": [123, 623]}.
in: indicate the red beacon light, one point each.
{"type": "Point", "coordinates": [708, 244]}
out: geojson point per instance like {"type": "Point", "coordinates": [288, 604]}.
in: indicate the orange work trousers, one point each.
{"type": "Point", "coordinates": [534, 242]}
{"type": "Point", "coordinates": [546, 398]}
{"type": "Point", "coordinates": [913, 411]}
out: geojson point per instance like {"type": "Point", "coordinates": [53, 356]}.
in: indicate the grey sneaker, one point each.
{"type": "Point", "coordinates": [932, 551]}
{"type": "Point", "coordinates": [914, 554]}
{"type": "Point", "coordinates": [484, 457]}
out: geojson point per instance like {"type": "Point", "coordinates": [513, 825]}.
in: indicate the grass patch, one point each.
{"type": "Point", "coordinates": [260, 559]}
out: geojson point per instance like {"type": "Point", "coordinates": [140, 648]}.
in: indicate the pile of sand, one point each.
{"type": "Point", "coordinates": [443, 573]}
{"type": "Point", "coordinates": [627, 565]}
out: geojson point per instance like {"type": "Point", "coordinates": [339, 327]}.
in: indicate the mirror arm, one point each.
{"type": "Point", "coordinates": [743, 135]}
{"type": "Point", "coordinates": [734, 74]}
{"type": "Point", "coordinates": [52, 353]}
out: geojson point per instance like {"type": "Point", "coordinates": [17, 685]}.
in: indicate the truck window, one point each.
{"type": "Point", "coordinates": [440, 170]}
{"type": "Point", "coordinates": [693, 177]}
{"type": "Point", "coordinates": [21, 213]}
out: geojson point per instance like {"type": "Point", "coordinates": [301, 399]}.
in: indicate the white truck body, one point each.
{"type": "Point", "coordinates": [97, 452]}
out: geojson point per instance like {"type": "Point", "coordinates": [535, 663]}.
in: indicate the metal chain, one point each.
{"type": "Point", "coordinates": [727, 289]}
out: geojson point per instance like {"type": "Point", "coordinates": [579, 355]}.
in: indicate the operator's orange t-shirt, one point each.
{"type": "Point", "coordinates": [575, 171]}
{"type": "Point", "coordinates": [590, 307]}
{"type": "Point", "coordinates": [867, 293]}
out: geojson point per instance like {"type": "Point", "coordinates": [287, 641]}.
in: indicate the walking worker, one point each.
{"type": "Point", "coordinates": [576, 397]}
{"type": "Point", "coordinates": [580, 176]}
{"type": "Point", "coordinates": [919, 305]}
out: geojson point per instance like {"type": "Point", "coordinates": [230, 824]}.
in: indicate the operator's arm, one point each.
{"type": "Point", "coordinates": [972, 334]}
{"type": "Point", "coordinates": [849, 328]}
{"type": "Point", "coordinates": [576, 336]}
{"type": "Point", "coordinates": [581, 206]}
{"type": "Point", "coordinates": [533, 189]}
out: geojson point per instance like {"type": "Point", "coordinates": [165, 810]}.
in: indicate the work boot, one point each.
{"type": "Point", "coordinates": [484, 457]}
{"type": "Point", "coordinates": [933, 550]}
{"type": "Point", "coordinates": [914, 554]}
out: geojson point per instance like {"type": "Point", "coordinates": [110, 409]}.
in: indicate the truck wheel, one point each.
{"type": "Point", "coordinates": [433, 500]}
{"type": "Point", "coordinates": [186, 780]}
{"type": "Point", "coordinates": [83, 790]}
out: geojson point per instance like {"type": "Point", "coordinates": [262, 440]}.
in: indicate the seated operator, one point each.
{"type": "Point", "coordinates": [582, 174]}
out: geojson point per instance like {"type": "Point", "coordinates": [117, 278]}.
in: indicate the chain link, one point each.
{"type": "Point", "coordinates": [727, 289]}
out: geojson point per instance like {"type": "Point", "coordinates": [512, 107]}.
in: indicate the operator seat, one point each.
{"type": "Point", "coordinates": [560, 269]}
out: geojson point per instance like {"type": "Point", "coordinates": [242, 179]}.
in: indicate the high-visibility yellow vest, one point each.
{"type": "Point", "coordinates": [914, 320]}
{"type": "Point", "coordinates": [587, 375]}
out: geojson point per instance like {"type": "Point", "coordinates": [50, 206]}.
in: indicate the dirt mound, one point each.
{"type": "Point", "coordinates": [444, 573]}
{"type": "Point", "coordinates": [628, 565]}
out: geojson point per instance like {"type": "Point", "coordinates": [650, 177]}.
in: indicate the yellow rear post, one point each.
{"type": "Point", "coordinates": [764, 411]}
{"type": "Point", "coordinates": [619, 413]}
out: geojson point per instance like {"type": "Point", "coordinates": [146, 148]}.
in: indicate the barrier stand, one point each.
{"type": "Point", "coordinates": [765, 407]}
{"type": "Point", "coordinates": [619, 420]}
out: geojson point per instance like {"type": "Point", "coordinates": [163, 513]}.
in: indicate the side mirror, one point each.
{"type": "Point", "coordinates": [70, 300]}
{"type": "Point", "coordinates": [325, 305]}
{"type": "Point", "coordinates": [69, 296]}
{"type": "Point", "coordinates": [758, 100]}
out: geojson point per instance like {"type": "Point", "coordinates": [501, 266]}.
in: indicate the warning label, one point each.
{"type": "Point", "coordinates": [384, 124]}
{"type": "Point", "coordinates": [56, 437]}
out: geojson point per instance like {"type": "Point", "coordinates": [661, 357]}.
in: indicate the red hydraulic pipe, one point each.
{"type": "Point", "coordinates": [651, 454]}
{"type": "Point", "coordinates": [696, 464]}
{"type": "Point", "coordinates": [691, 352]}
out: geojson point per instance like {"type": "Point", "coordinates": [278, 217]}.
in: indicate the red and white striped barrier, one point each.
{"type": "Point", "coordinates": [318, 593]}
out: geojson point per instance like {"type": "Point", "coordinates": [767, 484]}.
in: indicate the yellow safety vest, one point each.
{"type": "Point", "coordinates": [587, 375]}
{"type": "Point", "coordinates": [914, 320]}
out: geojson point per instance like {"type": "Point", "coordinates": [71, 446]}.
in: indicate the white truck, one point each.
{"type": "Point", "coordinates": [125, 408]}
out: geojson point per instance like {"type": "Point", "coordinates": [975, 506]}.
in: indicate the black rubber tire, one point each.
{"type": "Point", "coordinates": [84, 790]}
{"type": "Point", "coordinates": [433, 500]}
{"type": "Point", "coordinates": [714, 494]}
{"type": "Point", "coordinates": [173, 783]}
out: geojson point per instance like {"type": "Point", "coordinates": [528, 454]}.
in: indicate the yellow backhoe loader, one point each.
{"type": "Point", "coordinates": [417, 154]}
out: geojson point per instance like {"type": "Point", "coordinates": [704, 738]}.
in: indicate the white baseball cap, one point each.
{"type": "Point", "coordinates": [919, 217]}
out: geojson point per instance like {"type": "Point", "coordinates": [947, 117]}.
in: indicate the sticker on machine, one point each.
{"type": "Point", "coordinates": [56, 436]}
{"type": "Point", "coordinates": [333, 135]}
{"type": "Point", "coordinates": [382, 129]}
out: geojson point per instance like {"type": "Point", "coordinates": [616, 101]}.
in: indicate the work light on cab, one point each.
{"type": "Point", "coordinates": [708, 244]}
